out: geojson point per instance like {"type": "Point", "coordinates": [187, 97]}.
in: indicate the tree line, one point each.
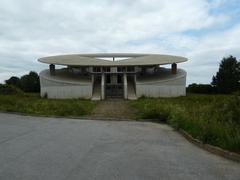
{"type": "Point", "coordinates": [29, 83]}
{"type": "Point", "coordinates": [226, 80]}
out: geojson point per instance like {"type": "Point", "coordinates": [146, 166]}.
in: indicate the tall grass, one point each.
{"type": "Point", "coordinates": [33, 104]}
{"type": "Point", "coordinates": [213, 119]}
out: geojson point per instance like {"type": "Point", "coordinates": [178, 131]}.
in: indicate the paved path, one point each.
{"type": "Point", "coordinates": [114, 108]}
{"type": "Point", "coordinates": [33, 148]}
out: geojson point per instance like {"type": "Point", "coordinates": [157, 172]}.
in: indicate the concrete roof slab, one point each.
{"type": "Point", "coordinates": [93, 59]}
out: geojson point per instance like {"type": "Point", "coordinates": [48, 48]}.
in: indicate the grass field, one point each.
{"type": "Point", "coordinates": [213, 119]}
{"type": "Point", "coordinates": [33, 104]}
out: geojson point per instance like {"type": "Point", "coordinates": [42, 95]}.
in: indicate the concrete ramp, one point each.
{"type": "Point", "coordinates": [96, 91]}
{"type": "Point", "coordinates": [131, 91]}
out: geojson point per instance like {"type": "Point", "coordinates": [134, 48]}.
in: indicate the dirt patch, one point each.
{"type": "Point", "coordinates": [114, 108]}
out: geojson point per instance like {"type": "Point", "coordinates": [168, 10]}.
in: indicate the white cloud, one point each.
{"type": "Point", "coordinates": [31, 29]}
{"type": "Point", "coordinates": [207, 52]}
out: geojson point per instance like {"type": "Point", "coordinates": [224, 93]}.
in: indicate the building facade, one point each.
{"type": "Point", "coordinates": [112, 75]}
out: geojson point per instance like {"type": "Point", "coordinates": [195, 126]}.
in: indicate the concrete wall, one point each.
{"type": "Point", "coordinates": [174, 85]}
{"type": "Point", "coordinates": [60, 88]}
{"type": "Point", "coordinates": [67, 85]}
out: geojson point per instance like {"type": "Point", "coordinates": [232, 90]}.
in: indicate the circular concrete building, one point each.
{"type": "Point", "coordinates": [112, 75]}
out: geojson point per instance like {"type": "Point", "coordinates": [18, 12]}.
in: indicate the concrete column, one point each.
{"type": "Point", "coordinates": [92, 76]}
{"type": "Point", "coordinates": [52, 69]}
{"type": "Point", "coordinates": [103, 86]}
{"type": "Point", "coordinates": [174, 68]}
{"type": "Point", "coordinates": [135, 80]}
{"type": "Point", "coordinates": [125, 86]}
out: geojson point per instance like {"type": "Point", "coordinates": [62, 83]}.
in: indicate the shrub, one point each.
{"type": "Point", "coordinates": [201, 88]}
{"type": "Point", "coordinates": [9, 89]}
{"type": "Point", "coordinates": [14, 81]}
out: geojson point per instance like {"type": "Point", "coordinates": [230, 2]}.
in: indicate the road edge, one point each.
{"type": "Point", "coordinates": [210, 148]}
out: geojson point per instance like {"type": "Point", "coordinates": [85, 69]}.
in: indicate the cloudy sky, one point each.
{"type": "Point", "coordinates": [202, 30]}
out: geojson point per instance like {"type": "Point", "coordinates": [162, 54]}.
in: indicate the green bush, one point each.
{"type": "Point", "coordinates": [201, 88]}
{"type": "Point", "coordinates": [9, 89]}
{"type": "Point", "coordinates": [14, 81]}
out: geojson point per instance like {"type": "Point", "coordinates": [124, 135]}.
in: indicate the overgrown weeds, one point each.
{"type": "Point", "coordinates": [213, 119]}
{"type": "Point", "coordinates": [33, 104]}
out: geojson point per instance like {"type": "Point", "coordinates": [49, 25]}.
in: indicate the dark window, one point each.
{"type": "Point", "coordinates": [108, 79]}
{"type": "Point", "coordinates": [130, 69]}
{"type": "Point", "coordinates": [119, 79]}
{"type": "Point", "coordinates": [96, 69]}
{"type": "Point", "coordinates": [106, 69]}
{"type": "Point", "coordinates": [120, 69]}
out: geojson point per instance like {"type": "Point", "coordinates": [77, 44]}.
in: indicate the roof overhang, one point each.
{"type": "Point", "coordinates": [94, 59]}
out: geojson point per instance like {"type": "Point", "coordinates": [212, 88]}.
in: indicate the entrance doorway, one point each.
{"type": "Point", "coordinates": [114, 86]}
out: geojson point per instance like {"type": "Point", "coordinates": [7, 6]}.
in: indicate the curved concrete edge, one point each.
{"type": "Point", "coordinates": [180, 74]}
{"type": "Point", "coordinates": [45, 74]}
{"type": "Point", "coordinates": [169, 86]}
{"type": "Point", "coordinates": [207, 147]}
{"type": "Point", "coordinates": [210, 148]}
{"type": "Point", "coordinates": [57, 87]}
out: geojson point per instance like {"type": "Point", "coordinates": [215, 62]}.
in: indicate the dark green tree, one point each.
{"type": "Point", "coordinates": [14, 81]}
{"type": "Point", "coordinates": [227, 79]}
{"type": "Point", "coordinates": [30, 82]}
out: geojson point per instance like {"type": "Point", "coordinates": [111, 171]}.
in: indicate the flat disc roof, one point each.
{"type": "Point", "coordinates": [95, 59]}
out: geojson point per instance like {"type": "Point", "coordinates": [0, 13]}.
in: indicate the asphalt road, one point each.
{"type": "Point", "coordinates": [33, 148]}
